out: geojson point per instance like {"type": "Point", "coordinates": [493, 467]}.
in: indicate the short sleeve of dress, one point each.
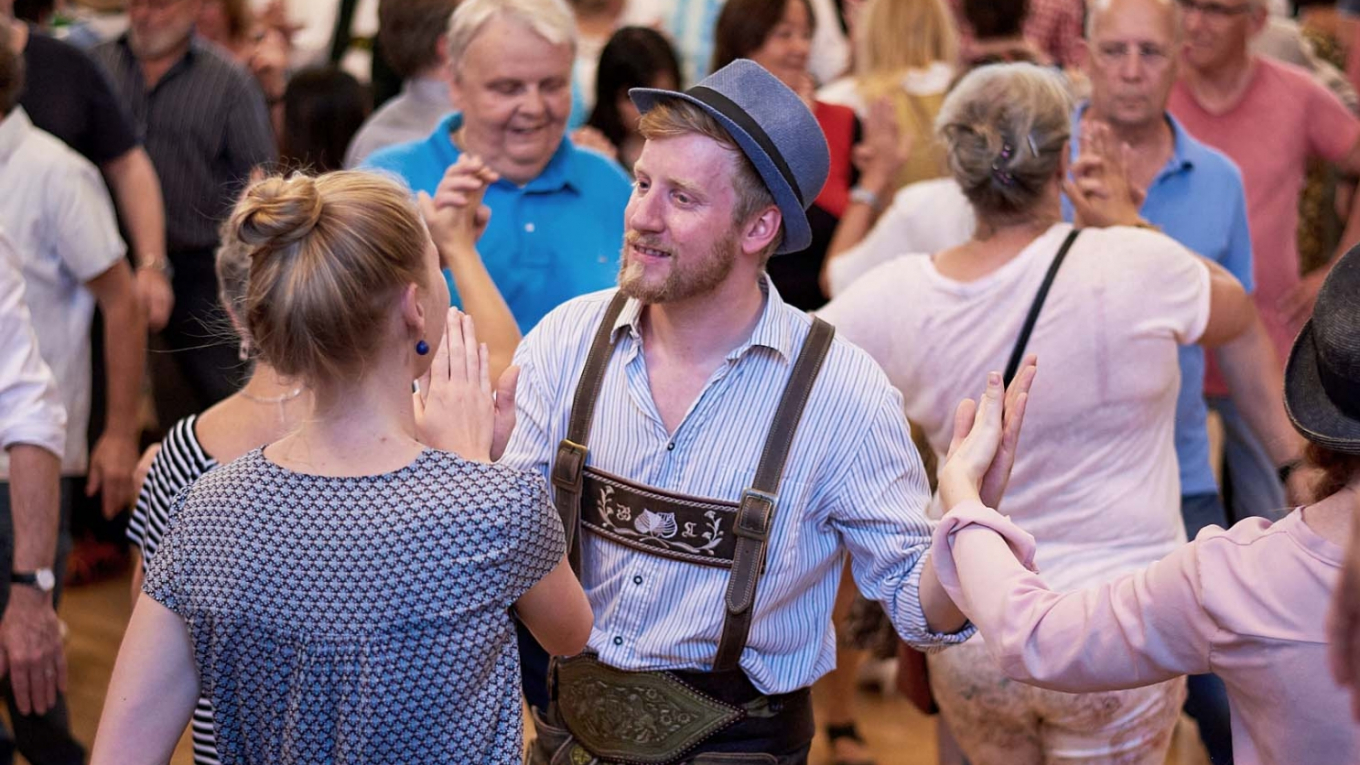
{"type": "Point", "coordinates": [537, 541]}
{"type": "Point", "coordinates": [167, 573]}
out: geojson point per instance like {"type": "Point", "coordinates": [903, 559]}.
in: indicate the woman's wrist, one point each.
{"type": "Point", "coordinates": [956, 489]}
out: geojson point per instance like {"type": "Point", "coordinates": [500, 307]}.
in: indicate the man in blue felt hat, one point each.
{"type": "Point", "coordinates": [715, 452]}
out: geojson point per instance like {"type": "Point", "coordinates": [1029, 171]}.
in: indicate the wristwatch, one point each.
{"type": "Point", "coordinates": [865, 196]}
{"type": "Point", "coordinates": [42, 579]}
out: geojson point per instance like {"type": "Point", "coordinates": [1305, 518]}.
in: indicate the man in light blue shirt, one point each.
{"type": "Point", "coordinates": [556, 211]}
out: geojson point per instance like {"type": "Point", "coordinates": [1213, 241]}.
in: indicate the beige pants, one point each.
{"type": "Point", "coordinates": [999, 721]}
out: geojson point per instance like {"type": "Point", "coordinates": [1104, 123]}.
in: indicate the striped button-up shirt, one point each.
{"type": "Point", "coordinates": [853, 482]}
{"type": "Point", "coordinates": [206, 127]}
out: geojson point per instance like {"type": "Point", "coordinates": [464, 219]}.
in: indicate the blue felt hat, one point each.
{"type": "Point", "coordinates": [773, 127]}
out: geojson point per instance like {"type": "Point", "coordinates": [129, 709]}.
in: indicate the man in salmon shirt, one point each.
{"type": "Point", "coordinates": [1269, 118]}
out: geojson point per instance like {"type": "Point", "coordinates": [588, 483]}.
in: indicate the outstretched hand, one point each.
{"type": "Point", "coordinates": [986, 439]}
{"type": "Point", "coordinates": [454, 407]}
{"type": "Point", "coordinates": [1099, 188]}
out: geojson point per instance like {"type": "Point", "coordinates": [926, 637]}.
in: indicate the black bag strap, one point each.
{"type": "Point", "coordinates": [568, 470]}
{"type": "Point", "coordinates": [755, 514]}
{"type": "Point", "coordinates": [1018, 353]}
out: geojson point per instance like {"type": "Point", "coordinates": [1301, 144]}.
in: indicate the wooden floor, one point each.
{"type": "Point", "coordinates": [897, 733]}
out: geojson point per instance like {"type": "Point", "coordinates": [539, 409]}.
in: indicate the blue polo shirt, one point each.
{"type": "Point", "coordinates": [1198, 199]}
{"type": "Point", "coordinates": [555, 238]}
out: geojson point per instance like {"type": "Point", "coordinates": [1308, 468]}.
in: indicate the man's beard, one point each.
{"type": "Point", "coordinates": [158, 43]}
{"type": "Point", "coordinates": [684, 281]}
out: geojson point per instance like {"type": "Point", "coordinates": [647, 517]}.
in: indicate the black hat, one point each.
{"type": "Point", "coordinates": [1322, 379]}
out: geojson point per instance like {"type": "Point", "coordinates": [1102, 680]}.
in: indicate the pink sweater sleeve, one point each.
{"type": "Point", "coordinates": [1141, 628]}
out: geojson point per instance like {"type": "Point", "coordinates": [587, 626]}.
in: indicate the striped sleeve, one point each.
{"type": "Point", "coordinates": [180, 461]}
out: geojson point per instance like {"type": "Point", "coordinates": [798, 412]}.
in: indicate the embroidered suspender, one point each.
{"type": "Point", "coordinates": [755, 513]}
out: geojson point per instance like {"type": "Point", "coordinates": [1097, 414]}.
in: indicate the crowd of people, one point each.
{"type": "Point", "coordinates": [640, 367]}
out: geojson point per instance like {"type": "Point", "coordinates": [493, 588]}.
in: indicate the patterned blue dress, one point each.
{"type": "Point", "coordinates": [353, 620]}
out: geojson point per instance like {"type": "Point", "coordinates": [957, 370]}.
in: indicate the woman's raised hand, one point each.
{"type": "Point", "coordinates": [986, 437]}
{"type": "Point", "coordinates": [455, 411]}
{"type": "Point", "coordinates": [1100, 189]}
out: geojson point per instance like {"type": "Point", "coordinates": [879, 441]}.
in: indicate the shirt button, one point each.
{"type": "Point", "coordinates": [618, 640]}
{"type": "Point", "coordinates": [637, 580]}
{"type": "Point", "coordinates": [670, 447]}
{"type": "Point", "coordinates": [529, 227]}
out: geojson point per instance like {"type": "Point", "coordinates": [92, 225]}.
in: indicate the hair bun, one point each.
{"type": "Point", "coordinates": [277, 212]}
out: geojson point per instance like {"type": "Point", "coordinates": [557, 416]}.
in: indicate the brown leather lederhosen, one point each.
{"type": "Point", "coordinates": [693, 530]}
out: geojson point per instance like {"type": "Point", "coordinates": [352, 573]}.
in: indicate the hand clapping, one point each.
{"type": "Point", "coordinates": [456, 215]}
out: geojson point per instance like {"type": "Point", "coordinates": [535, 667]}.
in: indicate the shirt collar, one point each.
{"type": "Point", "coordinates": [1184, 149]}
{"type": "Point", "coordinates": [429, 89]}
{"type": "Point", "coordinates": [562, 171]}
{"type": "Point", "coordinates": [13, 130]}
{"type": "Point", "coordinates": [774, 330]}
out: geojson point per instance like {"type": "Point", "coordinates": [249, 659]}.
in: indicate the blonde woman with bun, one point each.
{"type": "Point", "coordinates": [348, 589]}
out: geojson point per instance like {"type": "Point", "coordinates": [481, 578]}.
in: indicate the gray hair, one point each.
{"type": "Point", "coordinates": [552, 20]}
{"type": "Point", "coordinates": [1004, 128]}
{"type": "Point", "coordinates": [1097, 8]}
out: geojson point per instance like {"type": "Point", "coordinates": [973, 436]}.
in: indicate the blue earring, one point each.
{"type": "Point", "coordinates": [422, 347]}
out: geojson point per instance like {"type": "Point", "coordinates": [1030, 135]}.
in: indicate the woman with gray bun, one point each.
{"type": "Point", "coordinates": [1104, 305]}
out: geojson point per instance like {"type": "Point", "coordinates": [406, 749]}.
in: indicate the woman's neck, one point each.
{"type": "Point", "coordinates": [364, 427]}
{"type": "Point", "coordinates": [1333, 517]}
{"type": "Point", "coordinates": [996, 243]}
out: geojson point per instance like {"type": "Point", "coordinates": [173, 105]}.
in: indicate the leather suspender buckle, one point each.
{"type": "Point", "coordinates": [753, 515]}
{"type": "Point", "coordinates": [568, 470]}
{"type": "Point", "coordinates": [753, 520]}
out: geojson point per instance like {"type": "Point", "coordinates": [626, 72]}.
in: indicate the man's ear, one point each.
{"type": "Point", "coordinates": [455, 86]}
{"type": "Point", "coordinates": [1082, 60]}
{"type": "Point", "coordinates": [761, 230]}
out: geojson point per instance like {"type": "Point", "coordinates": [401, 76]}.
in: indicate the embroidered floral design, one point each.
{"type": "Point", "coordinates": [657, 528]}
{"type": "Point", "coordinates": [655, 524]}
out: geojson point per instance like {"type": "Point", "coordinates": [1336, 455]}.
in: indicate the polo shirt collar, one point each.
{"type": "Point", "coordinates": [1184, 149]}
{"type": "Point", "coordinates": [774, 329]}
{"type": "Point", "coordinates": [562, 171]}
{"type": "Point", "coordinates": [14, 129]}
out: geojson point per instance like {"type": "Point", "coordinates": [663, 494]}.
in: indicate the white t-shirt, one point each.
{"type": "Point", "coordinates": [56, 209]}
{"type": "Point", "coordinates": [30, 408]}
{"type": "Point", "coordinates": [1096, 479]}
{"type": "Point", "coordinates": [927, 216]}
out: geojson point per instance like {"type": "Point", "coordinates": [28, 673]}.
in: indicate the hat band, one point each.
{"type": "Point", "coordinates": [731, 110]}
{"type": "Point", "coordinates": [1343, 392]}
